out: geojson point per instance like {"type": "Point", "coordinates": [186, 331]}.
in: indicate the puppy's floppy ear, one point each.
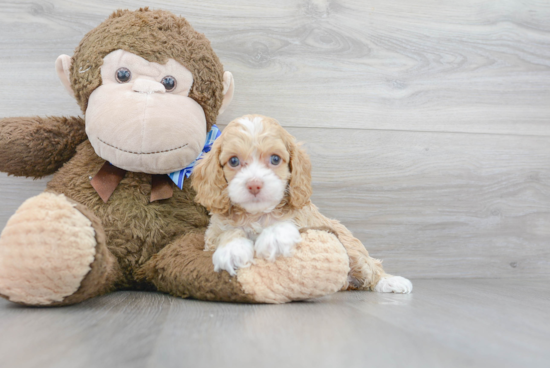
{"type": "Point", "coordinates": [300, 175]}
{"type": "Point", "coordinates": [209, 182]}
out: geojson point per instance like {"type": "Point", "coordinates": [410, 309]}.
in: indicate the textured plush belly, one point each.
{"type": "Point", "coordinates": [136, 229]}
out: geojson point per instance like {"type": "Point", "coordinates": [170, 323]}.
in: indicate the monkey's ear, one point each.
{"type": "Point", "coordinates": [228, 89]}
{"type": "Point", "coordinates": [63, 68]}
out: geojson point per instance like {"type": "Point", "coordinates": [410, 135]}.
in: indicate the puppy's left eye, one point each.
{"type": "Point", "coordinates": [275, 160]}
{"type": "Point", "coordinates": [234, 161]}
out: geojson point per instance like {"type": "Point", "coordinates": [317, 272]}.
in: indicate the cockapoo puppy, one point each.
{"type": "Point", "coordinates": [256, 183]}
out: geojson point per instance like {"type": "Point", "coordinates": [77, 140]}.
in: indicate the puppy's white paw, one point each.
{"type": "Point", "coordinates": [238, 253]}
{"type": "Point", "coordinates": [277, 240]}
{"type": "Point", "coordinates": [394, 284]}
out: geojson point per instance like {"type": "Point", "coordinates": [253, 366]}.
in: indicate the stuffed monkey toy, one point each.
{"type": "Point", "coordinates": [116, 214]}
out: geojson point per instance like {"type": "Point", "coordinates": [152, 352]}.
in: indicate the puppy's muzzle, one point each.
{"type": "Point", "coordinates": [254, 186]}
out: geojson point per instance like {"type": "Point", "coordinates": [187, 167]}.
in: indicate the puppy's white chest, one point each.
{"type": "Point", "coordinates": [253, 230]}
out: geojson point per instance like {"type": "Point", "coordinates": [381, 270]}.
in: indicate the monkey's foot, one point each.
{"type": "Point", "coordinates": [46, 251]}
{"type": "Point", "coordinates": [318, 266]}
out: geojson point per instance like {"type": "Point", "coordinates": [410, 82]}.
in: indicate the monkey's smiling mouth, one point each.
{"type": "Point", "coordinates": [141, 153]}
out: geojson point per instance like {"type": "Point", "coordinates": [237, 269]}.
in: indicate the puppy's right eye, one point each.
{"type": "Point", "coordinates": [275, 160]}
{"type": "Point", "coordinates": [234, 161]}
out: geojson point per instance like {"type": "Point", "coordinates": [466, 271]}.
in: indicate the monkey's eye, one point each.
{"type": "Point", "coordinates": [169, 83]}
{"type": "Point", "coordinates": [234, 161]}
{"type": "Point", "coordinates": [275, 160]}
{"type": "Point", "coordinates": [123, 75]}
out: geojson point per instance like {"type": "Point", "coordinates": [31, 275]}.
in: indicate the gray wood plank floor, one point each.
{"type": "Point", "coordinates": [444, 323]}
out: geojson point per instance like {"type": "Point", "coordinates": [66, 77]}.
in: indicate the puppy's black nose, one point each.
{"type": "Point", "coordinates": [254, 186]}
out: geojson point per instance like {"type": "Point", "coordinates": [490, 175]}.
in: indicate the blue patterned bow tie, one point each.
{"type": "Point", "coordinates": [178, 176]}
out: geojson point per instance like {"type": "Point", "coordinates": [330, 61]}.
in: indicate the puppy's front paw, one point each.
{"type": "Point", "coordinates": [277, 240]}
{"type": "Point", "coordinates": [394, 284]}
{"type": "Point", "coordinates": [238, 253]}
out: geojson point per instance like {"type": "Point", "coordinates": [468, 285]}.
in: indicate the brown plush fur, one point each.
{"type": "Point", "coordinates": [37, 147]}
{"type": "Point", "coordinates": [197, 278]}
{"type": "Point", "coordinates": [135, 228]}
{"type": "Point", "coordinates": [156, 36]}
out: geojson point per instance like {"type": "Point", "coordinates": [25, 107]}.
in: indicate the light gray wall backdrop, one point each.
{"type": "Point", "coordinates": [428, 122]}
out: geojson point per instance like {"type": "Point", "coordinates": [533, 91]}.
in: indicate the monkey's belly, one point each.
{"type": "Point", "coordinates": [136, 229]}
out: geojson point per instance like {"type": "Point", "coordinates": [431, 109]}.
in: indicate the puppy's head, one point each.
{"type": "Point", "coordinates": [256, 165]}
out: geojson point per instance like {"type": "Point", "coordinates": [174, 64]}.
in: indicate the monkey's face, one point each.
{"type": "Point", "coordinates": [141, 118]}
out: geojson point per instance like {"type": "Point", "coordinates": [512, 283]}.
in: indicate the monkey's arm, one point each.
{"type": "Point", "coordinates": [37, 146]}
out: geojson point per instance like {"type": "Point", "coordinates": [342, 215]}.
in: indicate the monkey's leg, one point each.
{"type": "Point", "coordinates": [53, 252]}
{"type": "Point", "coordinates": [319, 266]}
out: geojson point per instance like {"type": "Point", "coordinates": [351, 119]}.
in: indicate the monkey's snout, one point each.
{"type": "Point", "coordinates": [147, 86]}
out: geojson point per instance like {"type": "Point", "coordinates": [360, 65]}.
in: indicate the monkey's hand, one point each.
{"type": "Point", "coordinates": [36, 146]}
